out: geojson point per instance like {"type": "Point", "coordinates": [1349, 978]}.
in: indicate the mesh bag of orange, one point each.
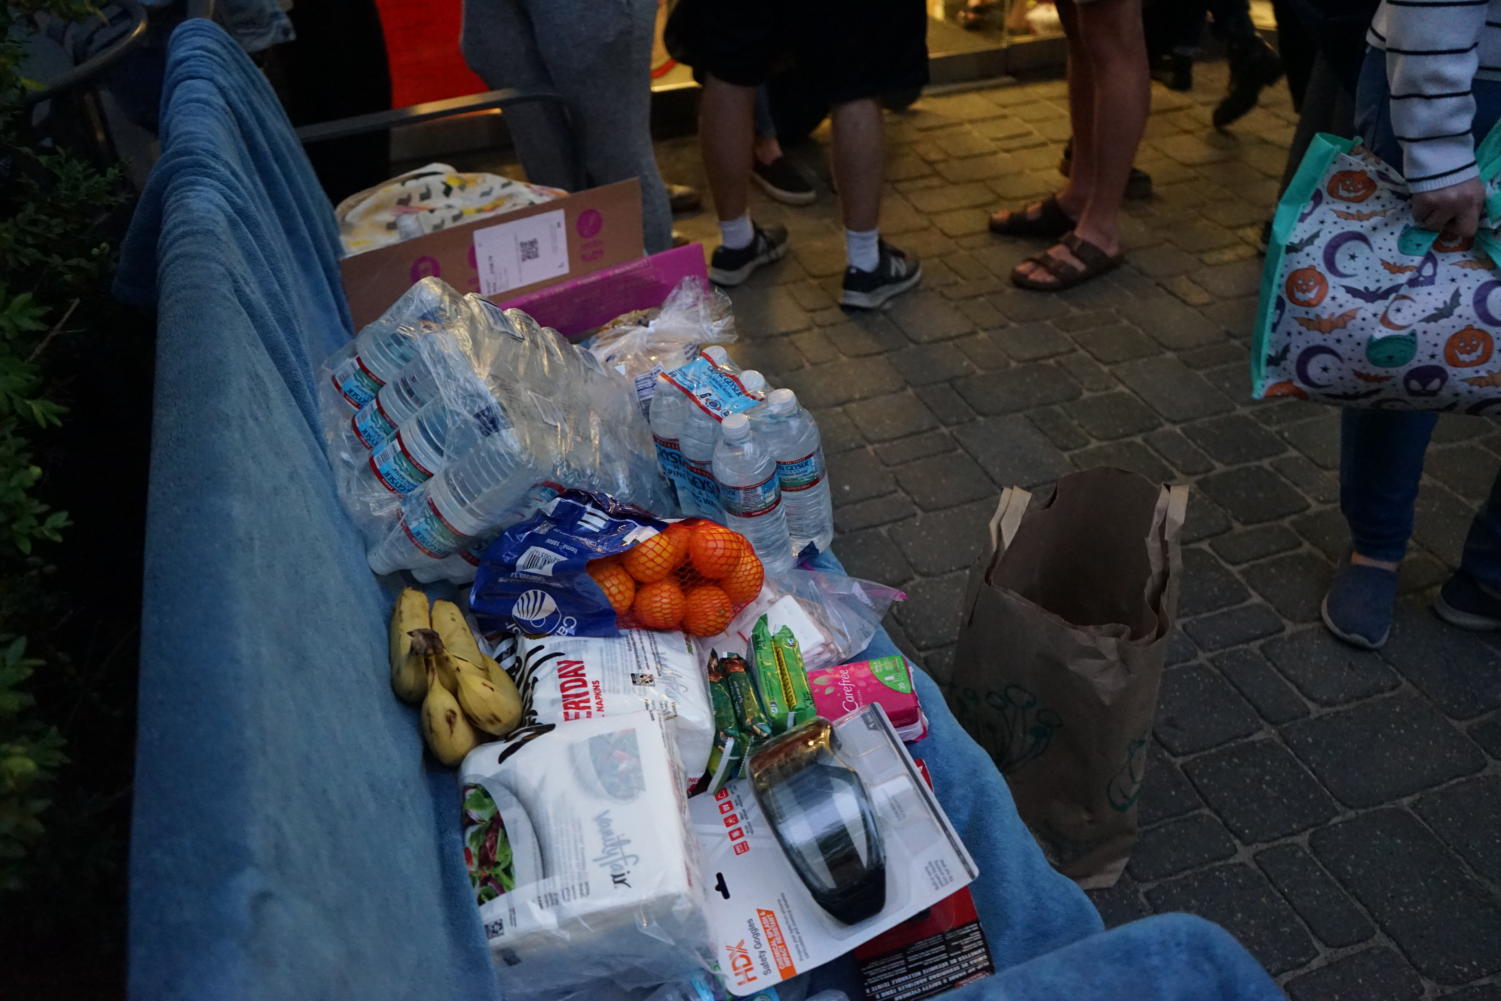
{"type": "Point", "coordinates": [587, 565]}
{"type": "Point", "coordinates": [694, 575]}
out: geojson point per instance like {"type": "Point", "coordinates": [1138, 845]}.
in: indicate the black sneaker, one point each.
{"type": "Point", "coordinates": [732, 267]}
{"type": "Point", "coordinates": [681, 198]}
{"type": "Point", "coordinates": [783, 181]}
{"type": "Point", "coordinates": [894, 274]}
{"type": "Point", "coordinates": [1174, 70]}
{"type": "Point", "coordinates": [1254, 66]}
{"type": "Point", "coordinates": [1466, 603]}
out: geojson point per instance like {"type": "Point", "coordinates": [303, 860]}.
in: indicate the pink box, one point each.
{"type": "Point", "coordinates": [838, 691]}
{"type": "Point", "coordinates": [584, 304]}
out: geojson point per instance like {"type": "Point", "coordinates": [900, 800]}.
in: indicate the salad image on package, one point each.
{"type": "Point", "coordinates": [487, 850]}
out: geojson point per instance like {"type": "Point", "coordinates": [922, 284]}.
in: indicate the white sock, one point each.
{"type": "Point", "coordinates": [737, 233]}
{"type": "Point", "coordinates": [862, 248]}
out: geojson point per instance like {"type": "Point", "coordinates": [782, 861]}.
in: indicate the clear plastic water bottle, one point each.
{"type": "Point", "coordinates": [755, 385]}
{"type": "Point", "coordinates": [666, 417]}
{"type": "Point", "coordinates": [791, 435]}
{"type": "Point", "coordinates": [699, 436]}
{"type": "Point", "coordinates": [750, 493]}
{"type": "Point", "coordinates": [426, 443]}
{"type": "Point", "coordinates": [383, 348]}
{"type": "Point", "coordinates": [471, 495]}
{"type": "Point", "coordinates": [396, 402]}
{"type": "Point", "coordinates": [721, 359]}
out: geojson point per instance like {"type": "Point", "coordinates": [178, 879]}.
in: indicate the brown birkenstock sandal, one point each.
{"type": "Point", "coordinates": [1066, 273]}
{"type": "Point", "coordinates": [1051, 221]}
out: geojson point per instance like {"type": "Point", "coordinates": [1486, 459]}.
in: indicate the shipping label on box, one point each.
{"type": "Point", "coordinates": [506, 255]}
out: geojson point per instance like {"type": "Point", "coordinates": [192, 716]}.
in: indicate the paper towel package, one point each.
{"type": "Point", "coordinates": [765, 924]}
{"type": "Point", "coordinates": [567, 678]}
{"type": "Point", "coordinates": [579, 853]}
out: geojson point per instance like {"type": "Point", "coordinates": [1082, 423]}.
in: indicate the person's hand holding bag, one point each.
{"type": "Point", "coordinates": [1453, 211]}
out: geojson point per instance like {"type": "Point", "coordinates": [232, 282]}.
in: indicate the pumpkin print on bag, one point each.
{"type": "Point", "coordinates": [1447, 244]}
{"type": "Point", "coordinates": [1358, 312]}
{"type": "Point", "coordinates": [1307, 287]}
{"type": "Point", "coordinates": [1469, 347]}
{"type": "Point", "coordinates": [1351, 185]}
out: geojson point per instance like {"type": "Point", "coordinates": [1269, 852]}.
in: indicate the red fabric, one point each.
{"type": "Point", "coordinates": [422, 45]}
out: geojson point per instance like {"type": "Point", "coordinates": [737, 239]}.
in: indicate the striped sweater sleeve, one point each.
{"type": "Point", "coordinates": [1432, 52]}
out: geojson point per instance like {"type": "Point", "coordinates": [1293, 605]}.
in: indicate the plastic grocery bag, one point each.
{"type": "Point", "coordinates": [643, 345]}
{"type": "Point", "coordinates": [1361, 308]}
{"type": "Point", "coordinates": [1065, 627]}
{"type": "Point", "coordinates": [832, 616]}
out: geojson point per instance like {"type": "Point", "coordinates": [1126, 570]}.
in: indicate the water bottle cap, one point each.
{"type": "Point", "coordinates": [736, 427]}
{"type": "Point", "coordinates": [781, 401]}
{"type": "Point", "coordinates": [717, 354]}
{"type": "Point", "coordinates": [753, 381]}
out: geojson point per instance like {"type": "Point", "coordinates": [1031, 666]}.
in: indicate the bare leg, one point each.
{"type": "Point", "coordinates": [1075, 192]}
{"type": "Point", "coordinates": [768, 149]}
{"type": "Point", "coordinates": [1115, 47]}
{"type": "Point", "coordinates": [859, 162]}
{"type": "Point", "coordinates": [726, 136]}
{"type": "Point", "coordinates": [1081, 114]}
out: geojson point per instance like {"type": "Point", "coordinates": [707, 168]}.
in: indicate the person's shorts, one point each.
{"type": "Point", "coordinates": [848, 49]}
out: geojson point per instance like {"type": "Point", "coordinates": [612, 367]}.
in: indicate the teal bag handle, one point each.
{"type": "Point", "coordinates": [1417, 241]}
{"type": "Point", "coordinates": [1322, 150]}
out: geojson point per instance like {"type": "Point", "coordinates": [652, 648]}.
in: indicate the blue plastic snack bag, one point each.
{"type": "Point", "coordinates": [533, 578]}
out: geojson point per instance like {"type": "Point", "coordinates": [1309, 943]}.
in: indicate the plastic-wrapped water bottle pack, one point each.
{"type": "Point", "coordinates": [448, 419]}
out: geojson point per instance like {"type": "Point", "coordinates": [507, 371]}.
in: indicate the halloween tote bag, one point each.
{"type": "Point", "coordinates": [1360, 307]}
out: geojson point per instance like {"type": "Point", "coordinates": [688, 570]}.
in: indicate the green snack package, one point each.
{"type": "Point", "coordinates": [728, 751]}
{"type": "Point", "coordinates": [794, 676]}
{"type": "Point", "coordinates": [749, 715]}
{"type": "Point", "coordinates": [770, 684]}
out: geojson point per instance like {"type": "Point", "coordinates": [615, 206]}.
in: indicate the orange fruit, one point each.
{"type": "Point", "coordinates": [683, 532]}
{"type": "Point", "coordinates": [715, 549]}
{"type": "Point", "coordinates": [743, 582]}
{"type": "Point", "coordinates": [619, 587]}
{"type": "Point", "coordinates": [656, 557]}
{"type": "Point", "coordinates": [659, 605]}
{"type": "Point", "coordinates": [708, 611]}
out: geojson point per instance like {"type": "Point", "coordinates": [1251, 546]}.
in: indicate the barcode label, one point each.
{"type": "Point", "coordinates": [529, 250]}
{"type": "Point", "coordinates": [538, 562]}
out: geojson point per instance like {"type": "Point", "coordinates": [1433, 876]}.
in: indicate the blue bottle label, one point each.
{"type": "Point", "coordinates": [702, 486]}
{"type": "Point", "coordinates": [432, 534]}
{"type": "Point", "coordinates": [371, 425]}
{"type": "Point", "coordinates": [395, 467]}
{"type": "Point", "coordinates": [356, 383]}
{"type": "Point", "coordinates": [802, 474]}
{"type": "Point", "coordinates": [752, 501]}
{"type": "Point", "coordinates": [720, 394]}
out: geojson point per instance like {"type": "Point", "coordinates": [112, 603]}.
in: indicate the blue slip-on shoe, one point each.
{"type": "Point", "coordinates": [1358, 607]}
{"type": "Point", "coordinates": [1463, 602]}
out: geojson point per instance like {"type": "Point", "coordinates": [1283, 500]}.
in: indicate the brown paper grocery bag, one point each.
{"type": "Point", "coordinates": [1060, 654]}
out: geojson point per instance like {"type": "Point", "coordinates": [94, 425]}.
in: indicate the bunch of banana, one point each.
{"type": "Point", "coordinates": [436, 660]}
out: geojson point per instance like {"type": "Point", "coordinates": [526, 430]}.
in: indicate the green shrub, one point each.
{"type": "Point", "coordinates": [54, 269]}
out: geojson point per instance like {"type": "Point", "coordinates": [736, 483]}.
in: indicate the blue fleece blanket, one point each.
{"type": "Point", "coordinates": [290, 841]}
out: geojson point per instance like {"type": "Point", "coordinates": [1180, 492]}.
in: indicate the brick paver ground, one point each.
{"type": "Point", "coordinates": [1340, 812]}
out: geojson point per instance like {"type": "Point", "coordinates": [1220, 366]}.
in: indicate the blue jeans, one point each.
{"type": "Point", "coordinates": [1381, 451]}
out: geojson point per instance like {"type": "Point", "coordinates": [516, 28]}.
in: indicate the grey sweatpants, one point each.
{"type": "Point", "coordinates": [597, 55]}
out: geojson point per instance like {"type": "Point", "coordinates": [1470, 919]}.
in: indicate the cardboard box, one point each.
{"type": "Point", "coordinates": [582, 305]}
{"type": "Point", "coordinates": [506, 255]}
